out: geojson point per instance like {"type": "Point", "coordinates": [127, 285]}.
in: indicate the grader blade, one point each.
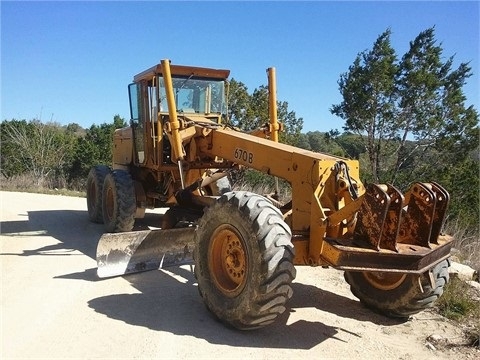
{"type": "Point", "coordinates": [137, 251]}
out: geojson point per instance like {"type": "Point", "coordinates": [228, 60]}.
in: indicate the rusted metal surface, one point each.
{"type": "Point", "coordinates": [388, 221]}
{"type": "Point", "coordinates": [441, 205]}
{"type": "Point", "coordinates": [391, 226]}
{"type": "Point", "coordinates": [416, 226]}
{"type": "Point", "coordinates": [344, 254]}
{"type": "Point", "coordinates": [372, 215]}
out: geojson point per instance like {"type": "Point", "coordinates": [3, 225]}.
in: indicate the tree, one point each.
{"type": "Point", "coordinates": [407, 112]}
{"type": "Point", "coordinates": [369, 95]}
{"type": "Point", "coordinates": [292, 125]}
{"type": "Point", "coordinates": [432, 107]}
{"type": "Point", "coordinates": [411, 116]}
{"type": "Point", "coordinates": [239, 109]}
{"type": "Point", "coordinates": [95, 148]}
{"type": "Point", "coordinates": [36, 148]}
{"type": "Point", "coordinates": [11, 163]}
{"type": "Point", "coordinates": [249, 112]}
{"type": "Point", "coordinates": [322, 142]}
{"type": "Point", "coordinates": [463, 183]}
{"type": "Point", "coordinates": [74, 128]}
{"type": "Point", "coordinates": [303, 142]}
{"type": "Point", "coordinates": [351, 144]}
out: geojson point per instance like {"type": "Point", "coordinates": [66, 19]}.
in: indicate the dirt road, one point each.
{"type": "Point", "coordinates": [54, 306]}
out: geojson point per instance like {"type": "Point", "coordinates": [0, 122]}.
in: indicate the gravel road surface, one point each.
{"type": "Point", "coordinates": [54, 306]}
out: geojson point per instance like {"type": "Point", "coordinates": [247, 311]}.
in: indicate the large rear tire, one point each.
{"type": "Point", "coordinates": [95, 180]}
{"type": "Point", "coordinates": [118, 200]}
{"type": "Point", "coordinates": [398, 295]}
{"type": "Point", "coordinates": [243, 260]}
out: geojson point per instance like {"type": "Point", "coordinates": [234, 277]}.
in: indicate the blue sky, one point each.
{"type": "Point", "coordinates": [72, 61]}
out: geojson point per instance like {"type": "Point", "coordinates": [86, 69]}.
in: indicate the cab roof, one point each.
{"type": "Point", "coordinates": [181, 70]}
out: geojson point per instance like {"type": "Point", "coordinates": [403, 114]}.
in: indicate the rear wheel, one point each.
{"type": "Point", "coordinates": [398, 295]}
{"type": "Point", "coordinates": [95, 180]}
{"type": "Point", "coordinates": [243, 260]}
{"type": "Point", "coordinates": [118, 202]}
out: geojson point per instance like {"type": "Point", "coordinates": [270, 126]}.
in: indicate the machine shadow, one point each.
{"type": "Point", "coordinates": [71, 227]}
{"type": "Point", "coordinates": [324, 300]}
{"type": "Point", "coordinates": [169, 301]}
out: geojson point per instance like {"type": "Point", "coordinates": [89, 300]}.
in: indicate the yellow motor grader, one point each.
{"type": "Point", "coordinates": [177, 154]}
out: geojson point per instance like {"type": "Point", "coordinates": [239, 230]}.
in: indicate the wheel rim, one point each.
{"type": "Point", "coordinates": [227, 260]}
{"type": "Point", "coordinates": [109, 203]}
{"type": "Point", "coordinates": [383, 280]}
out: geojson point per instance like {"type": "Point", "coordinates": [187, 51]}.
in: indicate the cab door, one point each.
{"type": "Point", "coordinates": [137, 121]}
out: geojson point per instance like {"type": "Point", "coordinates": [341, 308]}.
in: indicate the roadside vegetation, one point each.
{"type": "Point", "coordinates": [404, 118]}
{"type": "Point", "coordinates": [461, 304]}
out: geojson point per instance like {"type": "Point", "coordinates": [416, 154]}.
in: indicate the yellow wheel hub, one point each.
{"type": "Point", "coordinates": [227, 260]}
{"type": "Point", "coordinates": [384, 281]}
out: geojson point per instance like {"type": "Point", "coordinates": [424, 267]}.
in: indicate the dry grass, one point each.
{"type": "Point", "coordinates": [28, 183]}
{"type": "Point", "coordinates": [466, 245]}
{"type": "Point", "coordinates": [461, 303]}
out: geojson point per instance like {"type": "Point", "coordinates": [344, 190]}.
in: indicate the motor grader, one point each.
{"type": "Point", "coordinates": [177, 154]}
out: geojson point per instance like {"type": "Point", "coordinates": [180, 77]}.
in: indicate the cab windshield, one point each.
{"type": "Point", "coordinates": [195, 95]}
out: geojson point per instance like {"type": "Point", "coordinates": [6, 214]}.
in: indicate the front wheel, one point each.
{"type": "Point", "coordinates": [243, 260]}
{"type": "Point", "coordinates": [398, 295]}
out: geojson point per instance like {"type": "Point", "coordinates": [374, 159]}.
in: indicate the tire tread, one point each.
{"type": "Point", "coordinates": [411, 301]}
{"type": "Point", "coordinates": [274, 241]}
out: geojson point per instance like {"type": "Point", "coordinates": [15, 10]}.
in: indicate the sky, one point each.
{"type": "Point", "coordinates": [71, 62]}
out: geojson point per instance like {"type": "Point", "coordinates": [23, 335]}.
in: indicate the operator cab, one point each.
{"type": "Point", "coordinates": [199, 96]}
{"type": "Point", "coordinates": [197, 90]}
